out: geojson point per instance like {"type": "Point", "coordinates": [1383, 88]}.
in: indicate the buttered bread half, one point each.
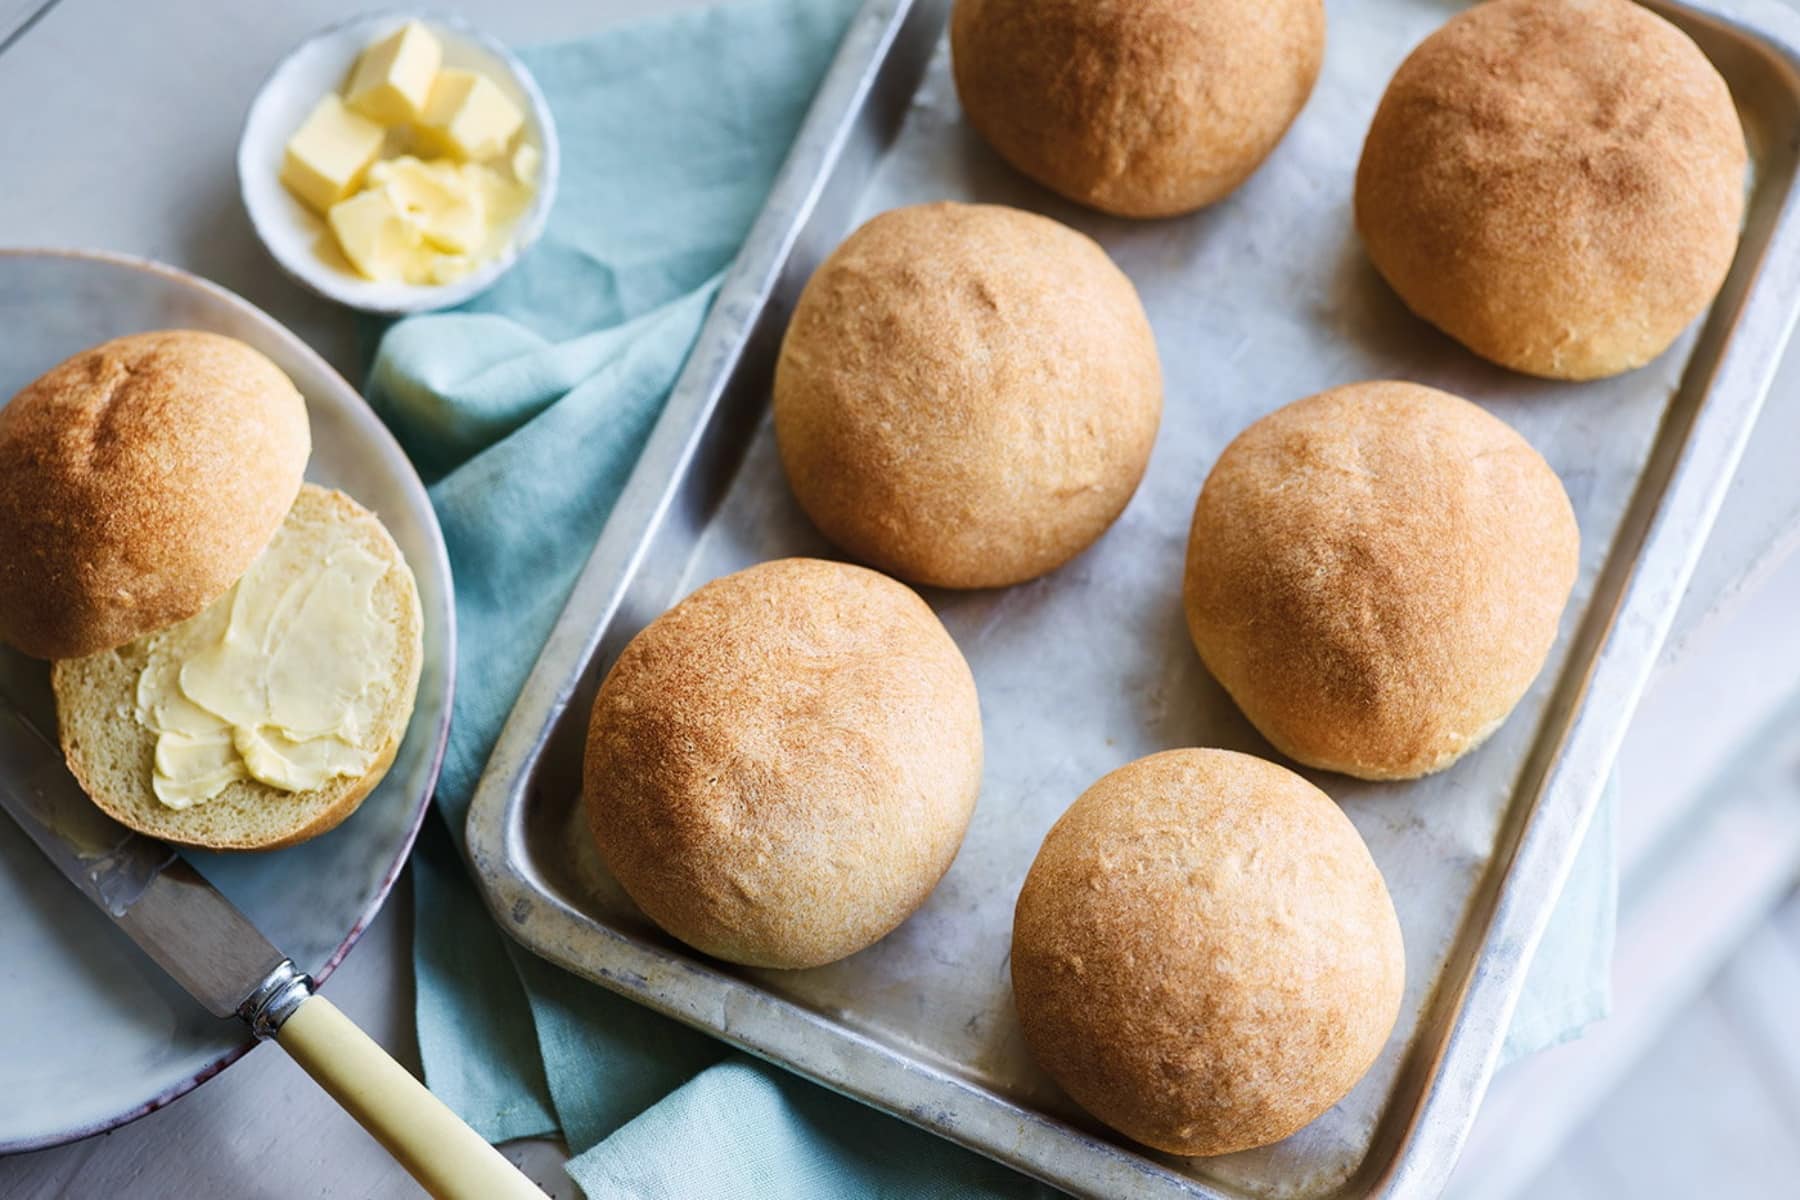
{"type": "Point", "coordinates": [266, 718]}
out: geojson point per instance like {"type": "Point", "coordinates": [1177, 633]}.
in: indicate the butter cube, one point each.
{"type": "Point", "coordinates": [502, 197]}
{"type": "Point", "coordinates": [446, 208]}
{"type": "Point", "coordinates": [393, 77]}
{"type": "Point", "coordinates": [446, 268]}
{"type": "Point", "coordinates": [374, 234]}
{"type": "Point", "coordinates": [327, 156]}
{"type": "Point", "coordinates": [469, 116]}
{"type": "Point", "coordinates": [525, 162]}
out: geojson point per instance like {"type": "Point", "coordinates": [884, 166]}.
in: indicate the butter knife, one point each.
{"type": "Point", "coordinates": [213, 951]}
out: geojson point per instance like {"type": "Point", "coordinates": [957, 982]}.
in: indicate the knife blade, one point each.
{"type": "Point", "coordinates": [150, 892]}
{"type": "Point", "coordinates": [201, 939]}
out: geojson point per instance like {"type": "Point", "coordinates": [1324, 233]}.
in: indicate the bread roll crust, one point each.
{"type": "Point", "coordinates": [1140, 108]}
{"type": "Point", "coordinates": [1376, 574]}
{"type": "Point", "coordinates": [1557, 184]}
{"type": "Point", "coordinates": [1204, 955]}
{"type": "Point", "coordinates": [111, 753]}
{"type": "Point", "coordinates": [138, 480]}
{"type": "Point", "coordinates": [967, 394]}
{"type": "Point", "coordinates": [781, 767]}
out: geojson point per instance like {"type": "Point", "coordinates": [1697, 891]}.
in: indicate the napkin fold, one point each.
{"type": "Point", "coordinates": [525, 411]}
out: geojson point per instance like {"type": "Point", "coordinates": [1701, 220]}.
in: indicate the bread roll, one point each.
{"type": "Point", "coordinates": [137, 481]}
{"type": "Point", "coordinates": [1557, 184]}
{"type": "Point", "coordinates": [967, 394]}
{"type": "Point", "coordinates": [780, 768]}
{"type": "Point", "coordinates": [1376, 574]}
{"type": "Point", "coordinates": [1204, 955]}
{"type": "Point", "coordinates": [1142, 108]}
{"type": "Point", "coordinates": [112, 751]}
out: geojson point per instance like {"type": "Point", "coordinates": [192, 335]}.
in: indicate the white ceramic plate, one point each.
{"type": "Point", "coordinates": [298, 237]}
{"type": "Point", "coordinates": [92, 1034]}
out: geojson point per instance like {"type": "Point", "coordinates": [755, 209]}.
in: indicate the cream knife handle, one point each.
{"type": "Point", "coordinates": [450, 1160]}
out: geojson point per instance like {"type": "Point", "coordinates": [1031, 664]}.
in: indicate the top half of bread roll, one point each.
{"type": "Point", "coordinates": [138, 480]}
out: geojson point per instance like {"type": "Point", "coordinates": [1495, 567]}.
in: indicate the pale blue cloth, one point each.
{"type": "Point", "coordinates": [525, 412]}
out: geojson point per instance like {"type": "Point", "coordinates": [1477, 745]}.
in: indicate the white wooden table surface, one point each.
{"type": "Point", "coordinates": [118, 125]}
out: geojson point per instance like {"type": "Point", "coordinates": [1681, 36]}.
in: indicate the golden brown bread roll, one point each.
{"type": "Point", "coordinates": [1376, 573]}
{"type": "Point", "coordinates": [137, 481]}
{"type": "Point", "coordinates": [967, 394]}
{"type": "Point", "coordinates": [1557, 184]}
{"type": "Point", "coordinates": [1143, 108]}
{"type": "Point", "coordinates": [112, 750]}
{"type": "Point", "coordinates": [1204, 955]}
{"type": "Point", "coordinates": [781, 767]}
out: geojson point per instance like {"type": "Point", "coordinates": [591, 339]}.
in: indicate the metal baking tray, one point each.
{"type": "Point", "coordinates": [1257, 301]}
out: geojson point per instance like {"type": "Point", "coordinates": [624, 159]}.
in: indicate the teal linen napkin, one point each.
{"type": "Point", "coordinates": [525, 411]}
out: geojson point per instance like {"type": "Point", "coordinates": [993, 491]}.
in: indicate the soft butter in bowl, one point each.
{"type": "Point", "coordinates": [398, 163]}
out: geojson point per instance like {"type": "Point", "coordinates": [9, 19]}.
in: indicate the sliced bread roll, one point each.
{"type": "Point", "coordinates": [112, 750]}
{"type": "Point", "coordinates": [138, 480]}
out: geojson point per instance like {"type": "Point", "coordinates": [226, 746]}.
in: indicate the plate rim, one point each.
{"type": "Point", "coordinates": [389, 448]}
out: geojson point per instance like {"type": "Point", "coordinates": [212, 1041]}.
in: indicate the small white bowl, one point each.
{"type": "Point", "coordinates": [299, 238]}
